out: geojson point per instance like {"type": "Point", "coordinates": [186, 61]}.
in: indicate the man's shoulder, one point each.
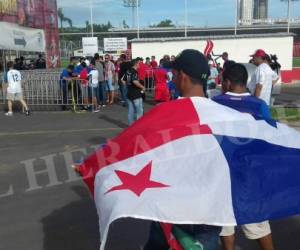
{"type": "Point", "coordinates": [221, 97]}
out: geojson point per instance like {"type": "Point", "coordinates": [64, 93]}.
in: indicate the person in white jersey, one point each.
{"type": "Point", "coordinates": [14, 89]}
{"type": "Point", "coordinates": [94, 84]}
{"type": "Point", "coordinates": [262, 81]}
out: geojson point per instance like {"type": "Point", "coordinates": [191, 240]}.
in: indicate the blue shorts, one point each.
{"type": "Point", "coordinates": [109, 85]}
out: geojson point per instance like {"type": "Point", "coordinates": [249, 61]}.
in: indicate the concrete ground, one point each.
{"type": "Point", "coordinates": [54, 211]}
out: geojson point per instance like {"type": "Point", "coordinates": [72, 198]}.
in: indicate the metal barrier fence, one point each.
{"type": "Point", "coordinates": [43, 88]}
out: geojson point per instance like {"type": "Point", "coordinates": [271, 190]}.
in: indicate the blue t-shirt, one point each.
{"type": "Point", "coordinates": [173, 90]}
{"type": "Point", "coordinates": [63, 74]}
{"type": "Point", "coordinates": [245, 103]}
{"type": "Point", "coordinates": [77, 69]}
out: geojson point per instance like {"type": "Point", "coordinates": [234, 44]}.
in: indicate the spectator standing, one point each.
{"type": "Point", "coordinates": [134, 93]}
{"type": "Point", "coordinates": [226, 60]}
{"type": "Point", "coordinates": [99, 65]}
{"type": "Point", "coordinates": [124, 67]}
{"type": "Point", "coordinates": [211, 82]}
{"type": "Point", "coordinates": [154, 63]}
{"type": "Point", "coordinates": [149, 75]}
{"type": "Point", "coordinates": [14, 89]}
{"type": "Point", "coordinates": [40, 62]}
{"type": "Point", "coordinates": [109, 78]}
{"type": "Point", "coordinates": [237, 97]}
{"type": "Point", "coordinates": [141, 70]}
{"type": "Point", "coordinates": [162, 93]}
{"type": "Point", "coordinates": [262, 82]}
{"type": "Point", "coordinates": [93, 87]}
{"type": "Point", "coordinates": [65, 79]}
{"type": "Point", "coordinates": [84, 81]}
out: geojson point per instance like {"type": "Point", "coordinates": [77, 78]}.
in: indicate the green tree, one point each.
{"type": "Point", "coordinates": [62, 18]}
{"type": "Point", "coordinates": [164, 23]}
{"type": "Point", "coordinates": [125, 25]}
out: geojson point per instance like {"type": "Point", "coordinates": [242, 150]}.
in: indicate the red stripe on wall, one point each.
{"type": "Point", "coordinates": [287, 76]}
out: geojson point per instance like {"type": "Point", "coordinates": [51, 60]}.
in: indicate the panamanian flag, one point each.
{"type": "Point", "coordinates": [193, 161]}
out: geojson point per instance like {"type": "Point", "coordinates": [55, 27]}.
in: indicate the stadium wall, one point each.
{"type": "Point", "coordinates": [238, 47]}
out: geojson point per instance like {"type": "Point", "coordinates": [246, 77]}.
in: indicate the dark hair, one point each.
{"type": "Point", "coordinates": [96, 56]}
{"type": "Point", "coordinates": [10, 64]}
{"type": "Point", "coordinates": [134, 62]}
{"type": "Point", "coordinates": [83, 65]}
{"type": "Point", "coordinates": [237, 74]}
{"type": "Point", "coordinates": [70, 67]}
{"type": "Point", "coordinates": [123, 56]}
{"type": "Point", "coordinates": [147, 58]}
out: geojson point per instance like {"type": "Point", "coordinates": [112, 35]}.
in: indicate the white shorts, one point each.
{"type": "Point", "coordinates": [252, 231]}
{"type": "Point", "coordinates": [14, 96]}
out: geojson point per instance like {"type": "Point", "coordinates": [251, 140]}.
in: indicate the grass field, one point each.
{"type": "Point", "coordinates": [290, 114]}
{"type": "Point", "coordinates": [296, 62]}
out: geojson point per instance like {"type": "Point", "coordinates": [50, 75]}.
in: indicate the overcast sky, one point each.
{"type": "Point", "coordinates": [201, 12]}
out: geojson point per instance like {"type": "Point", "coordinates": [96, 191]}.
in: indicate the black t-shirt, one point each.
{"type": "Point", "coordinates": [124, 66]}
{"type": "Point", "coordinates": [133, 91]}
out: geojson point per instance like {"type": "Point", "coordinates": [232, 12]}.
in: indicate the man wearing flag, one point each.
{"type": "Point", "coordinates": [203, 164]}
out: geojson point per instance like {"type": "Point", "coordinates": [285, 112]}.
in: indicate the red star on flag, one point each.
{"type": "Point", "coordinates": [137, 183]}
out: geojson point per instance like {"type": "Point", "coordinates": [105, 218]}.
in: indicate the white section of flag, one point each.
{"type": "Point", "coordinates": [182, 172]}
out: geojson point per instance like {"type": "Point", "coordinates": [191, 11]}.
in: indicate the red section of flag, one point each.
{"type": "Point", "coordinates": [164, 123]}
{"type": "Point", "coordinates": [137, 183]}
{"type": "Point", "coordinates": [173, 243]}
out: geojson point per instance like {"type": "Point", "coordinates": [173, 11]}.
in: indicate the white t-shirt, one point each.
{"type": "Point", "coordinates": [94, 75]}
{"type": "Point", "coordinates": [14, 81]}
{"type": "Point", "coordinates": [264, 76]}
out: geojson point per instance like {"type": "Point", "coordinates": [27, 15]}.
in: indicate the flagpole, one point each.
{"type": "Point", "coordinates": [92, 22]}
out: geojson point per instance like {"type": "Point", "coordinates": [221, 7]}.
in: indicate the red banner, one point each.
{"type": "Point", "coordinates": [39, 14]}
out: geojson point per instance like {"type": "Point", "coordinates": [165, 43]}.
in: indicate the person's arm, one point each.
{"type": "Point", "coordinates": [139, 85]}
{"type": "Point", "coordinates": [258, 89]}
{"type": "Point", "coordinates": [259, 81]}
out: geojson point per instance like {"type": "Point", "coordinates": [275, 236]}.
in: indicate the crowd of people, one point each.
{"type": "Point", "coordinates": [103, 79]}
{"type": "Point", "coordinates": [21, 63]}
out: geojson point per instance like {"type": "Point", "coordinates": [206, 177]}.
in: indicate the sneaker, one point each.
{"type": "Point", "coordinates": [103, 106]}
{"type": "Point", "coordinates": [9, 114]}
{"type": "Point", "coordinates": [27, 112]}
{"type": "Point", "coordinates": [96, 111]}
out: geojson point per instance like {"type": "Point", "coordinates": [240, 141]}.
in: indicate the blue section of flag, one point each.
{"type": "Point", "coordinates": [264, 177]}
{"type": "Point", "coordinates": [247, 104]}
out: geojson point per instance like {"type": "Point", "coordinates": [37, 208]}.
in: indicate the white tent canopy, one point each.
{"type": "Point", "coordinates": [15, 37]}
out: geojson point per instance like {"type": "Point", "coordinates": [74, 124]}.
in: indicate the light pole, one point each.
{"type": "Point", "coordinates": [237, 4]}
{"type": "Point", "coordinates": [134, 4]}
{"type": "Point", "coordinates": [289, 16]}
{"type": "Point", "coordinates": [138, 18]}
{"type": "Point", "coordinates": [185, 18]}
{"type": "Point", "coordinates": [92, 22]}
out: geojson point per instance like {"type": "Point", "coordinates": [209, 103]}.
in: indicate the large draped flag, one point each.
{"type": "Point", "coordinates": [193, 161]}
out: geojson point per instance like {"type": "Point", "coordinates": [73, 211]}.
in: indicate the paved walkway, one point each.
{"type": "Point", "coordinates": [37, 214]}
